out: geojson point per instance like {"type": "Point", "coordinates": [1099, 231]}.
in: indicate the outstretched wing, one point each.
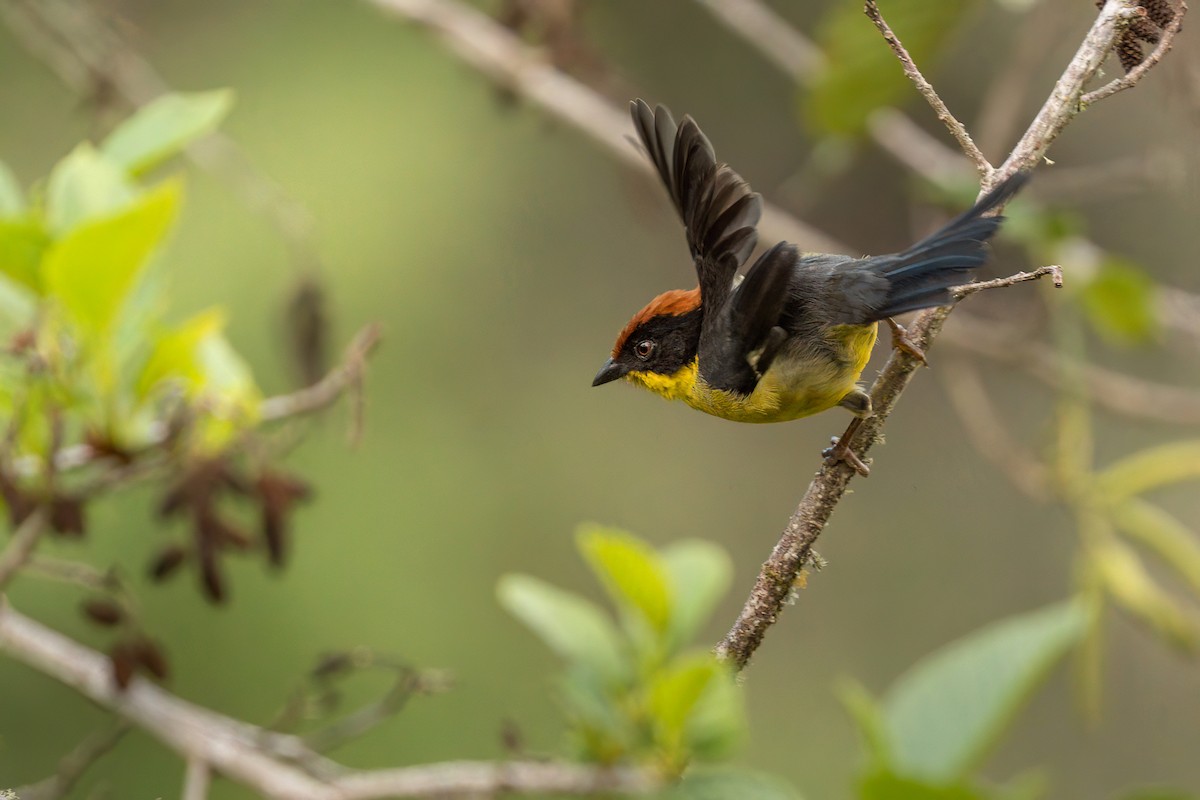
{"type": "Point", "coordinates": [718, 209]}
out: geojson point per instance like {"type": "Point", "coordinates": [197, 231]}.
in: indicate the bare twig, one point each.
{"type": "Point", "coordinates": [236, 749]}
{"type": "Point", "coordinates": [20, 547]}
{"type": "Point", "coordinates": [309, 400]}
{"type": "Point", "coordinates": [1054, 271]}
{"type": "Point", "coordinates": [760, 24]}
{"type": "Point", "coordinates": [76, 573]}
{"type": "Point", "coordinates": [325, 391]}
{"type": "Point", "coordinates": [956, 128]}
{"type": "Point", "coordinates": [73, 765]}
{"type": "Point", "coordinates": [197, 778]}
{"type": "Point", "coordinates": [1131, 78]}
{"type": "Point", "coordinates": [1107, 388]}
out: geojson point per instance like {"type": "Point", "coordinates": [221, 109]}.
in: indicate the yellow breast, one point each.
{"type": "Point", "coordinates": [793, 387]}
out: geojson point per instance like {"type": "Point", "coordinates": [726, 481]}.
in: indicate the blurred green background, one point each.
{"type": "Point", "coordinates": [503, 252]}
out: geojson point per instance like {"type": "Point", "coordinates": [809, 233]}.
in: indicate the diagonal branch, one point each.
{"type": "Point", "coordinates": [956, 128]}
{"type": "Point", "coordinates": [775, 581]}
{"type": "Point", "coordinates": [20, 548]}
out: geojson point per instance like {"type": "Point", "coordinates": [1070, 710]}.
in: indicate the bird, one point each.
{"type": "Point", "coordinates": [792, 336]}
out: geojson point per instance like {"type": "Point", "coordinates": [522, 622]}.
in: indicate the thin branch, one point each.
{"type": "Point", "coordinates": [987, 432]}
{"type": "Point", "coordinates": [1115, 391]}
{"type": "Point", "coordinates": [325, 391]}
{"type": "Point", "coordinates": [20, 548]}
{"type": "Point", "coordinates": [76, 573]}
{"type": "Point", "coordinates": [1053, 270]}
{"type": "Point", "coordinates": [778, 575]}
{"type": "Point", "coordinates": [73, 765]}
{"type": "Point", "coordinates": [247, 754]}
{"type": "Point", "coordinates": [309, 400]}
{"type": "Point", "coordinates": [761, 25]}
{"type": "Point", "coordinates": [956, 128]}
{"type": "Point", "coordinates": [197, 778]}
{"type": "Point", "coordinates": [1131, 78]}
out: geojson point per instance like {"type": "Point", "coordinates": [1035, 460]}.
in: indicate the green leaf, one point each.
{"type": "Point", "coordinates": [699, 574]}
{"type": "Point", "coordinates": [1162, 533]}
{"type": "Point", "coordinates": [574, 628]}
{"type": "Point", "coordinates": [717, 726]}
{"type": "Point", "coordinates": [22, 243]}
{"type": "Point", "coordinates": [12, 201]}
{"type": "Point", "coordinates": [164, 127]}
{"type": "Point", "coordinates": [1149, 469]}
{"type": "Point", "coordinates": [17, 308]}
{"type": "Point", "coordinates": [1120, 302]}
{"type": "Point", "coordinates": [730, 784]}
{"type": "Point", "coordinates": [677, 688]}
{"type": "Point", "coordinates": [1128, 582]}
{"type": "Point", "coordinates": [174, 354]}
{"type": "Point", "coordinates": [947, 710]}
{"type": "Point", "coordinates": [93, 269]}
{"type": "Point", "coordinates": [862, 73]}
{"type": "Point", "coordinates": [83, 187]}
{"type": "Point", "coordinates": [885, 785]}
{"type": "Point", "coordinates": [1029, 785]}
{"type": "Point", "coordinates": [868, 717]}
{"type": "Point", "coordinates": [630, 570]}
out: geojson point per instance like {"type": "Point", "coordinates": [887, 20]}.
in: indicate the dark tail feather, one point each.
{"type": "Point", "coordinates": [921, 276]}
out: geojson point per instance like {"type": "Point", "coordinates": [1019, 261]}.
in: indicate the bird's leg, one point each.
{"type": "Point", "coordinates": [858, 402]}
{"type": "Point", "coordinates": [900, 341]}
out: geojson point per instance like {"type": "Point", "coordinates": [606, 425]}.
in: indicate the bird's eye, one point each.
{"type": "Point", "coordinates": [644, 349]}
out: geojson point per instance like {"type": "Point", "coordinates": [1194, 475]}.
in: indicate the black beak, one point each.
{"type": "Point", "coordinates": [609, 372]}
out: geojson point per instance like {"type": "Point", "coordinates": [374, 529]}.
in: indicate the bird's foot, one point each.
{"type": "Point", "coordinates": [901, 342]}
{"type": "Point", "coordinates": [839, 451]}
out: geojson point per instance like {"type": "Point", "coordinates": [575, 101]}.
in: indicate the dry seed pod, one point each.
{"type": "Point", "coordinates": [167, 562]}
{"type": "Point", "coordinates": [124, 663]}
{"type": "Point", "coordinates": [150, 656]}
{"type": "Point", "coordinates": [103, 611]}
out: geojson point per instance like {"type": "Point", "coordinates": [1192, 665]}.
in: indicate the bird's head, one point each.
{"type": "Point", "coordinates": [658, 345]}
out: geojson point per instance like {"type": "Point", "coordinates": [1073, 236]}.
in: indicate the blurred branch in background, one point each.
{"type": "Point", "coordinates": [85, 51]}
{"type": "Point", "coordinates": [275, 765]}
{"type": "Point", "coordinates": [74, 764]}
{"type": "Point", "coordinates": [503, 58]}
